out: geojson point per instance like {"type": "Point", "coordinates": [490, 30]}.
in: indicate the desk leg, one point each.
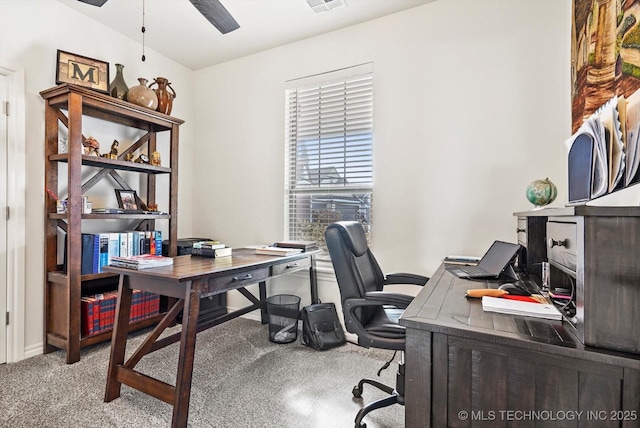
{"type": "Point", "coordinates": [185, 360]}
{"type": "Point", "coordinates": [313, 280]}
{"type": "Point", "coordinates": [118, 339]}
{"type": "Point", "coordinates": [262, 287]}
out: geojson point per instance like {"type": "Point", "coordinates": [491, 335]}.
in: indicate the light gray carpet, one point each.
{"type": "Point", "coordinates": [240, 379]}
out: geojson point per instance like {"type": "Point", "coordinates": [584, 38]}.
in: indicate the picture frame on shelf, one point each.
{"type": "Point", "coordinates": [82, 71]}
{"type": "Point", "coordinates": [127, 199]}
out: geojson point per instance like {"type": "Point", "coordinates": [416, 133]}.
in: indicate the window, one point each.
{"type": "Point", "coordinates": [329, 147]}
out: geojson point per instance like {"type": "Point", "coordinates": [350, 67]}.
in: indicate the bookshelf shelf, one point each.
{"type": "Point", "coordinates": [122, 165]}
{"type": "Point", "coordinates": [98, 216]}
{"type": "Point", "coordinates": [65, 106]}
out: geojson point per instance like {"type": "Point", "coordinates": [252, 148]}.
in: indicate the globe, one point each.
{"type": "Point", "coordinates": [541, 192]}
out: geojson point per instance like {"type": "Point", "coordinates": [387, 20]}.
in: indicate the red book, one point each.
{"type": "Point", "coordinates": [90, 311]}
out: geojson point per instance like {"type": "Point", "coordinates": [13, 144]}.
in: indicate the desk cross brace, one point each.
{"type": "Point", "coordinates": [124, 371]}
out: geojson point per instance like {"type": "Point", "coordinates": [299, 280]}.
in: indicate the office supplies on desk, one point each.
{"type": "Point", "coordinates": [515, 307]}
{"type": "Point", "coordinates": [461, 260]}
{"type": "Point", "coordinates": [495, 261]}
{"type": "Point", "coordinates": [278, 251]}
{"type": "Point", "coordinates": [580, 169]}
{"type": "Point", "coordinates": [514, 289]}
{"type": "Point", "coordinates": [481, 292]}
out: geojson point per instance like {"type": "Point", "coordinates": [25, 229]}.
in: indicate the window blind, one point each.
{"type": "Point", "coordinates": [329, 148]}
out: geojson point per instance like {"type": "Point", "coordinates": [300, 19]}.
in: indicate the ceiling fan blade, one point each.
{"type": "Point", "coordinates": [216, 14]}
{"type": "Point", "coordinates": [98, 3]}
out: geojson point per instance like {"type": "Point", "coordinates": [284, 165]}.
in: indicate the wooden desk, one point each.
{"type": "Point", "coordinates": [189, 280]}
{"type": "Point", "coordinates": [466, 367]}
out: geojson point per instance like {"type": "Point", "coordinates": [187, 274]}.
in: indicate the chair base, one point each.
{"type": "Point", "coordinates": [392, 399]}
{"type": "Point", "coordinates": [396, 395]}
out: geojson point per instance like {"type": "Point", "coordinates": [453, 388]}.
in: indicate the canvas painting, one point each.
{"type": "Point", "coordinates": [605, 54]}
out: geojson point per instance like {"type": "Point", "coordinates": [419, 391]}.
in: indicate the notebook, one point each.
{"type": "Point", "coordinates": [495, 261]}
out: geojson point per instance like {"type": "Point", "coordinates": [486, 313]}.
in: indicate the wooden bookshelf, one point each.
{"type": "Point", "coordinates": [66, 105]}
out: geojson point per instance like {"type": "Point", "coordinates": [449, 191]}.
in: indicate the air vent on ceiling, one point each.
{"type": "Point", "coordinates": [325, 5]}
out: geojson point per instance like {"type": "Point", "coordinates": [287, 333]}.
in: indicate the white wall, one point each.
{"type": "Point", "coordinates": [31, 31]}
{"type": "Point", "coordinates": [471, 104]}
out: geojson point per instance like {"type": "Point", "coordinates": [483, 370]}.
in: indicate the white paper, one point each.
{"type": "Point", "coordinates": [517, 307]}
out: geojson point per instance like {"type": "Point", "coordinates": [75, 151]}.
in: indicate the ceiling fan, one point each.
{"type": "Point", "coordinates": [213, 10]}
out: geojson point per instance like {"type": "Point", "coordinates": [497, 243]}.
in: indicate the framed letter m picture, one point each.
{"type": "Point", "coordinates": [82, 71]}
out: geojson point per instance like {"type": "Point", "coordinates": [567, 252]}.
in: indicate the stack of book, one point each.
{"type": "Point", "coordinates": [142, 261]}
{"type": "Point", "coordinates": [210, 249]}
{"type": "Point", "coordinates": [303, 245]}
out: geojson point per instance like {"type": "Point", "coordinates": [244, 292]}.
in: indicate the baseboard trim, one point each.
{"type": "Point", "coordinates": [33, 350]}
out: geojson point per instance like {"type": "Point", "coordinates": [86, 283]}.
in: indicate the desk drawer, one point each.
{"type": "Point", "coordinates": [290, 266]}
{"type": "Point", "coordinates": [522, 231]}
{"type": "Point", "coordinates": [233, 281]}
{"type": "Point", "coordinates": [562, 243]}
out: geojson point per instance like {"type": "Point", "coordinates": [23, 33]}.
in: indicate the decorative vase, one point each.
{"type": "Point", "coordinates": [165, 98]}
{"type": "Point", "coordinates": [118, 87]}
{"type": "Point", "coordinates": [142, 95]}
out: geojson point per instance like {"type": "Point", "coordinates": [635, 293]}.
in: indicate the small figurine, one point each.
{"type": "Point", "coordinates": [129, 157]}
{"type": "Point", "coordinates": [113, 154]}
{"type": "Point", "coordinates": [155, 158]}
{"type": "Point", "coordinates": [91, 147]}
{"type": "Point", "coordinates": [142, 159]}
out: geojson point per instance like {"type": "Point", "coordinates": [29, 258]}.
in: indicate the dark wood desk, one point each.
{"type": "Point", "coordinates": [187, 281]}
{"type": "Point", "coordinates": [466, 367]}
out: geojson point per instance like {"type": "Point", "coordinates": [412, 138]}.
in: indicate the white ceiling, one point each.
{"type": "Point", "coordinates": [176, 29]}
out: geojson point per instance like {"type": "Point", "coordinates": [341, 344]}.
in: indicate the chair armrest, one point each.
{"type": "Point", "coordinates": [400, 301]}
{"type": "Point", "coordinates": [405, 278]}
{"type": "Point", "coordinates": [366, 338]}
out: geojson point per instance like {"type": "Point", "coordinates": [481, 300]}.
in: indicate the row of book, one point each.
{"type": "Point", "coordinates": [98, 249]}
{"type": "Point", "coordinates": [98, 311]}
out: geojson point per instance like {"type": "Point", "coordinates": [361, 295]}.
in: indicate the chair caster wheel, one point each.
{"type": "Point", "coordinates": [357, 392]}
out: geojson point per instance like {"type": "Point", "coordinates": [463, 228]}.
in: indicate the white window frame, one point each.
{"type": "Point", "coordinates": [329, 151]}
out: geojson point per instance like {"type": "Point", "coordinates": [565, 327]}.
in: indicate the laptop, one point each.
{"type": "Point", "coordinates": [495, 261]}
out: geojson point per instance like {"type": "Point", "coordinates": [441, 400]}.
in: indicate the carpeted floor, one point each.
{"type": "Point", "coordinates": [241, 379]}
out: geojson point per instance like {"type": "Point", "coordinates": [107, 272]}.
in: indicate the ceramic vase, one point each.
{"type": "Point", "coordinates": [142, 95]}
{"type": "Point", "coordinates": [165, 98]}
{"type": "Point", "coordinates": [118, 87]}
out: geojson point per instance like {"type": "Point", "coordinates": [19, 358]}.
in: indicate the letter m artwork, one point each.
{"type": "Point", "coordinates": [82, 71]}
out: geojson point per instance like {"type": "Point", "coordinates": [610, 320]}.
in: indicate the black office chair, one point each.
{"type": "Point", "coordinates": [369, 312]}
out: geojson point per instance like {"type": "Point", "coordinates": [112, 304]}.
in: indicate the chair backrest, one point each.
{"type": "Point", "coordinates": [356, 269]}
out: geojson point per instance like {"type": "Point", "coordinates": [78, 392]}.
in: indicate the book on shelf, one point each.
{"type": "Point", "coordinates": [104, 251]}
{"type": "Point", "coordinates": [516, 307]}
{"type": "Point", "coordinates": [303, 245]}
{"type": "Point", "coordinates": [98, 311]}
{"type": "Point", "coordinates": [99, 249]}
{"type": "Point", "coordinates": [461, 260]}
{"type": "Point", "coordinates": [208, 252]}
{"type": "Point", "coordinates": [142, 261]}
{"type": "Point", "coordinates": [278, 251]}
{"type": "Point", "coordinates": [90, 254]}
{"type": "Point", "coordinates": [90, 312]}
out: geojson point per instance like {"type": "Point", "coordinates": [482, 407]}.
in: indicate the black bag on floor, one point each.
{"type": "Point", "coordinates": [321, 328]}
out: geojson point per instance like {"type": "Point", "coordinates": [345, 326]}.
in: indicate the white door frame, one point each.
{"type": "Point", "coordinates": [16, 201]}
